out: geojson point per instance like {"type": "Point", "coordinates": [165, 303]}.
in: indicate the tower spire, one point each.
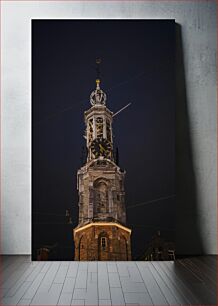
{"type": "Point", "coordinates": [98, 97]}
{"type": "Point", "coordinates": [98, 62]}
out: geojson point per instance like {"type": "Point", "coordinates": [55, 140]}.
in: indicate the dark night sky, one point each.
{"type": "Point", "coordinates": [138, 63]}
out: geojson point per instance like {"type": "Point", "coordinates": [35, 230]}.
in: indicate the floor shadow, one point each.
{"type": "Point", "coordinates": [188, 237]}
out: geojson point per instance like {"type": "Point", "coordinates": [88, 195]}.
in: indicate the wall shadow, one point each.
{"type": "Point", "coordinates": [188, 234]}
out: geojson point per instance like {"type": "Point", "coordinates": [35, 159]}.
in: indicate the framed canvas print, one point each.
{"type": "Point", "coordinates": [103, 140]}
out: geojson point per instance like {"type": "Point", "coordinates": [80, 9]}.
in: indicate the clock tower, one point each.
{"type": "Point", "coordinates": [101, 233]}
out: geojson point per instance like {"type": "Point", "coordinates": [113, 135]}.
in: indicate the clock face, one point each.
{"type": "Point", "coordinates": [101, 147]}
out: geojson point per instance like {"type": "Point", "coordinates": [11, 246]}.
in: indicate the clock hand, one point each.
{"type": "Point", "coordinates": [102, 149]}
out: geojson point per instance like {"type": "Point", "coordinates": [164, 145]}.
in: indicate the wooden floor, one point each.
{"type": "Point", "coordinates": [190, 281]}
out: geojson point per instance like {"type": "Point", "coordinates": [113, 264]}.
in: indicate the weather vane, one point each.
{"type": "Point", "coordinates": [98, 62]}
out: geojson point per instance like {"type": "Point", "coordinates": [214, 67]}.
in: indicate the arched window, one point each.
{"type": "Point", "coordinates": [103, 243]}
{"type": "Point", "coordinates": [103, 246]}
{"type": "Point", "coordinates": [101, 197]}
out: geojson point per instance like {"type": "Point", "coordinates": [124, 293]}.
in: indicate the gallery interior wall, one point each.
{"type": "Point", "coordinates": [197, 20]}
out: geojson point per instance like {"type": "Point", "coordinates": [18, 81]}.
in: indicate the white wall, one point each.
{"type": "Point", "coordinates": [198, 21]}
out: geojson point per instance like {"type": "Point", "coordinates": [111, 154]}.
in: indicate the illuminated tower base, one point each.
{"type": "Point", "coordinates": [102, 241]}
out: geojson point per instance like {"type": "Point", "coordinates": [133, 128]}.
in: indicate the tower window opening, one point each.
{"type": "Point", "coordinates": [108, 129]}
{"type": "Point", "coordinates": [90, 130]}
{"type": "Point", "coordinates": [121, 185]}
{"type": "Point", "coordinates": [103, 242]}
{"type": "Point", "coordinates": [99, 126]}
